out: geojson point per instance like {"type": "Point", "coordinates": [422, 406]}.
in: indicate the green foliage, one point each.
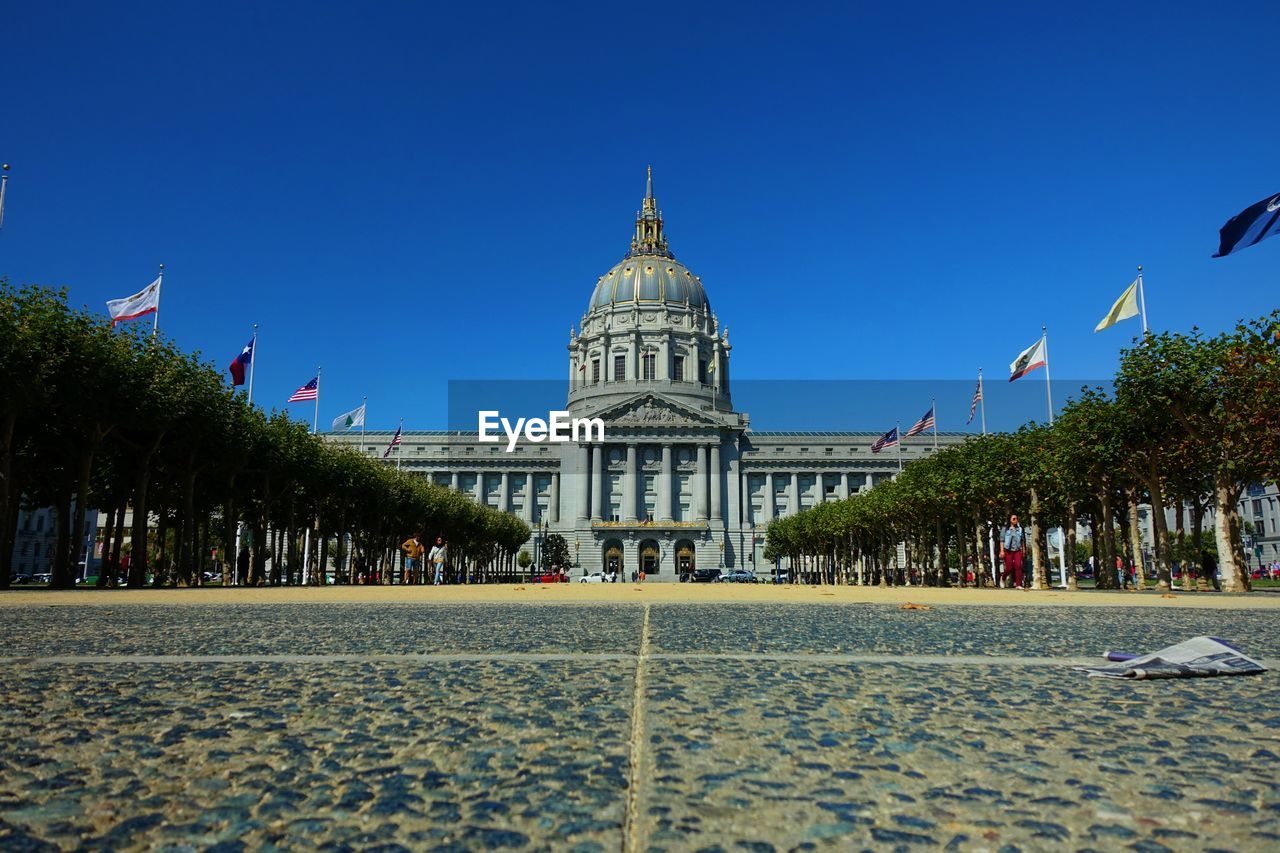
{"type": "Point", "coordinates": [113, 415]}
{"type": "Point", "coordinates": [1192, 418]}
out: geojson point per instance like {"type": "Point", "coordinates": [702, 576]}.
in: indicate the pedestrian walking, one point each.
{"type": "Point", "coordinates": [413, 549]}
{"type": "Point", "coordinates": [438, 555]}
{"type": "Point", "coordinates": [1012, 541]}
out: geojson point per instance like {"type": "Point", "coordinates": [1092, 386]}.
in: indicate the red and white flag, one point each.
{"type": "Point", "coordinates": [145, 301]}
{"type": "Point", "coordinates": [1029, 360]}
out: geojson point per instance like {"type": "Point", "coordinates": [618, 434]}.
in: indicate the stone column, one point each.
{"type": "Point", "coordinates": [453, 481]}
{"type": "Point", "coordinates": [530, 497]}
{"type": "Point", "coordinates": [844, 484]}
{"type": "Point", "coordinates": [665, 485]}
{"type": "Point", "coordinates": [580, 474]}
{"type": "Point", "coordinates": [869, 480]}
{"type": "Point", "coordinates": [717, 506]}
{"type": "Point", "coordinates": [793, 499]}
{"type": "Point", "coordinates": [478, 488]}
{"type": "Point", "coordinates": [700, 485]}
{"type": "Point", "coordinates": [504, 493]}
{"type": "Point", "coordinates": [629, 486]}
{"type": "Point", "coordinates": [553, 501]}
{"type": "Point", "coordinates": [597, 481]}
{"type": "Point", "coordinates": [768, 498]}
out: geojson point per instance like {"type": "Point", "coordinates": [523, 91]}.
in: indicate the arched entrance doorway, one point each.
{"type": "Point", "coordinates": [650, 557]}
{"type": "Point", "coordinates": [686, 561]}
{"type": "Point", "coordinates": [613, 560]}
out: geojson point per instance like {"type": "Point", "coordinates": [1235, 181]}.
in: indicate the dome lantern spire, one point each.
{"type": "Point", "coordinates": [649, 239]}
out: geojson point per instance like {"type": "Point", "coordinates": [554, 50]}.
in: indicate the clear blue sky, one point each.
{"type": "Point", "coordinates": [409, 193]}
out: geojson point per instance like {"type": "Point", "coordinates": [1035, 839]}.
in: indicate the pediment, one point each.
{"type": "Point", "coordinates": [653, 410]}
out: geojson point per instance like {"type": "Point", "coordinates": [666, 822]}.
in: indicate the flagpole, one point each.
{"type": "Point", "coordinates": [315, 421]}
{"type": "Point", "coordinates": [934, 409]}
{"type": "Point", "coordinates": [897, 430]}
{"type": "Point", "coordinates": [1048, 389]}
{"type": "Point", "coordinates": [400, 433]}
{"type": "Point", "coordinates": [4, 181]}
{"type": "Point", "coordinates": [155, 321]}
{"type": "Point", "coordinates": [982, 401]}
{"type": "Point", "coordinates": [253, 361]}
{"type": "Point", "coordinates": [364, 416]}
{"type": "Point", "coordinates": [1142, 301]}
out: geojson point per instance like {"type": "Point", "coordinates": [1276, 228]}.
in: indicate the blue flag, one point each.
{"type": "Point", "coordinates": [1252, 225]}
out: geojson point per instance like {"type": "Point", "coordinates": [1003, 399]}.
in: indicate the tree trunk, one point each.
{"type": "Point", "coordinates": [1106, 573]}
{"type": "Point", "coordinates": [107, 531]}
{"type": "Point", "coordinates": [84, 470]}
{"type": "Point", "coordinates": [8, 535]}
{"type": "Point", "coordinates": [1197, 550]}
{"type": "Point", "coordinates": [187, 569]}
{"type": "Point", "coordinates": [160, 572]}
{"type": "Point", "coordinates": [1160, 531]}
{"type": "Point", "coordinates": [8, 496]}
{"type": "Point", "coordinates": [1135, 539]}
{"type": "Point", "coordinates": [1235, 571]}
{"type": "Point", "coordinates": [942, 572]}
{"type": "Point", "coordinates": [117, 542]}
{"type": "Point", "coordinates": [138, 545]}
{"type": "Point", "coordinates": [1039, 580]}
{"type": "Point", "coordinates": [61, 551]}
{"type": "Point", "coordinates": [1069, 543]}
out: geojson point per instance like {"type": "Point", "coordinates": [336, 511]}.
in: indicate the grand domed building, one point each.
{"type": "Point", "coordinates": [682, 480]}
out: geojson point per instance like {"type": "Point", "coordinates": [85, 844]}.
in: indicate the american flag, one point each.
{"type": "Point", "coordinates": [889, 439]}
{"type": "Point", "coordinates": [310, 391]}
{"type": "Point", "coordinates": [977, 398]}
{"type": "Point", "coordinates": [395, 442]}
{"type": "Point", "coordinates": [926, 422]}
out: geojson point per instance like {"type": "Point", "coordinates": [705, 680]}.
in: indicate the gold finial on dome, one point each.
{"type": "Point", "coordinates": [649, 239]}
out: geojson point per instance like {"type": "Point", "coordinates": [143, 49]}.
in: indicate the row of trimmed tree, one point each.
{"type": "Point", "coordinates": [1188, 423]}
{"type": "Point", "coordinates": [124, 422]}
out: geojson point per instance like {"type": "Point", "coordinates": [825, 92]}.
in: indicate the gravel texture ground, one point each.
{"type": "Point", "coordinates": [635, 726]}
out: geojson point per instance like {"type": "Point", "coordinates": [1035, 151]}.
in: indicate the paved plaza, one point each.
{"type": "Point", "coordinates": [615, 725]}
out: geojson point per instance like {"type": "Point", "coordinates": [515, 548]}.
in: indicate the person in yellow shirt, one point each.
{"type": "Point", "coordinates": [413, 549]}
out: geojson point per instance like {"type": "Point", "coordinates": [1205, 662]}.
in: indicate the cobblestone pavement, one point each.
{"type": "Point", "coordinates": [632, 727]}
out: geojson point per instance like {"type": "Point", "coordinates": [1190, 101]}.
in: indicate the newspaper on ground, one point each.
{"type": "Point", "coordinates": [1199, 657]}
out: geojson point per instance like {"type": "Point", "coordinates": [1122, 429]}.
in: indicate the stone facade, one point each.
{"type": "Point", "coordinates": [681, 481]}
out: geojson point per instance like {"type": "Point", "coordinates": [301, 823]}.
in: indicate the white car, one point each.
{"type": "Point", "coordinates": [594, 577]}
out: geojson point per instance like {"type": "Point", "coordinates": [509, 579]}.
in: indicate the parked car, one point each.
{"type": "Point", "coordinates": [705, 575]}
{"type": "Point", "coordinates": [738, 576]}
{"type": "Point", "coordinates": [594, 577]}
{"type": "Point", "coordinates": [43, 579]}
{"type": "Point", "coordinates": [22, 579]}
{"type": "Point", "coordinates": [551, 577]}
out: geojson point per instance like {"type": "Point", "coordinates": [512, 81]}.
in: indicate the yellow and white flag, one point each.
{"type": "Point", "coordinates": [1126, 306]}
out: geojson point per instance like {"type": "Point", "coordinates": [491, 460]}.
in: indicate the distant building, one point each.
{"type": "Point", "coordinates": [682, 481]}
{"type": "Point", "coordinates": [36, 540]}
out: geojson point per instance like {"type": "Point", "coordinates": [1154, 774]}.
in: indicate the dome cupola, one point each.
{"type": "Point", "coordinates": [649, 273]}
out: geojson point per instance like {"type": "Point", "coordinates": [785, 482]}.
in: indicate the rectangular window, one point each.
{"type": "Point", "coordinates": [619, 368]}
{"type": "Point", "coordinates": [702, 371]}
{"type": "Point", "coordinates": [595, 371]}
{"type": "Point", "coordinates": [650, 363]}
{"type": "Point", "coordinates": [678, 369]}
